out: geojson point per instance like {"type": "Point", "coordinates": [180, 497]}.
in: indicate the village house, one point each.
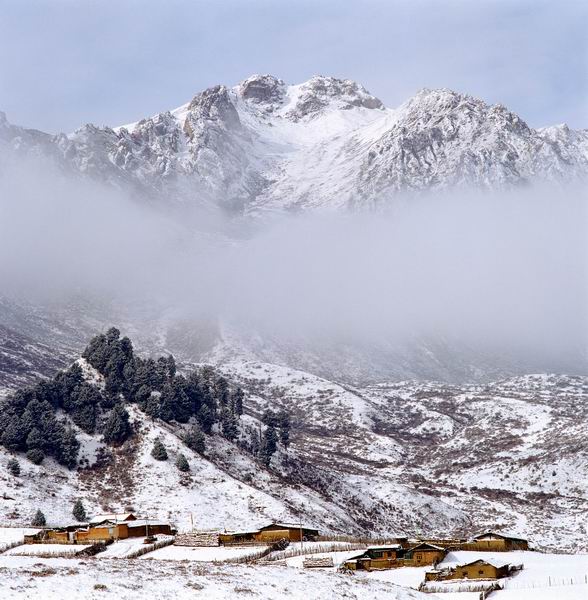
{"type": "Point", "coordinates": [495, 542]}
{"type": "Point", "coordinates": [448, 543]}
{"type": "Point", "coordinates": [479, 569]}
{"type": "Point", "coordinates": [59, 535]}
{"type": "Point", "coordinates": [102, 533]}
{"type": "Point", "coordinates": [113, 517]}
{"type": "Point", "coordinates": [101, 528]}
{"type": "Point", "coordinates": [376, 557]}
{"type": "Point", "coordinates": [424, 554]}
{"type": "Point", "coordinates": [270, 533]}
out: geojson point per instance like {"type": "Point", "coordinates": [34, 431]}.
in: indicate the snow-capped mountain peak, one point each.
{"type": "Point", "coordinates": [323, 144]}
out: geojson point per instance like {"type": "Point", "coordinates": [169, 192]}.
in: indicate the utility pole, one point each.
{"type": "Point", "coordinates": [301, 537]}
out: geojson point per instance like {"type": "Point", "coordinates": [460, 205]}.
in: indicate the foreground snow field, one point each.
{"type": "Point", "coordinates": [216, 554]}
{"type": "Point", "coordinates": [59, 579]}
{"type": "Point", "coordinates": [45, 550]}
{"type": "Point", "coordinates": [540, 570]}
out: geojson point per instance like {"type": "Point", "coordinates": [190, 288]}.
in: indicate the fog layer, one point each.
{"type": "Point", "coordinates": [503, 272]}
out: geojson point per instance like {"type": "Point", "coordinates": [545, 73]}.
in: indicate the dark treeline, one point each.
{"type": "Point", "coordinates": [32, 415]}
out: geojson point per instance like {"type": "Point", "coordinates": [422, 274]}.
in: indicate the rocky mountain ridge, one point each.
{"type": "Point", "coordinates": [323, 144]}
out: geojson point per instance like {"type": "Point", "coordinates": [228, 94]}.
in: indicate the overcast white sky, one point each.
{"type": "Point", "coordinates": [66, 62]}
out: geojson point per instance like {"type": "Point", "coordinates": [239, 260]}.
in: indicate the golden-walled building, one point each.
{"type": "Point", "coordinates": [494, 542]}
{"type": "Point", "coordinates": [424, 554]}
{"type": "Point", "coordinates": [269, 534]}
{"type": "Point", "coordinates": [376, 557]}
{"type": "Point", "coordinates": [479, 569]}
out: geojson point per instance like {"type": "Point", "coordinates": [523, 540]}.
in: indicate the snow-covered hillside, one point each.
{"type": "Point", "coordinates": [323, 144]}
{"type": "Point", "coordinates": [417, 458]}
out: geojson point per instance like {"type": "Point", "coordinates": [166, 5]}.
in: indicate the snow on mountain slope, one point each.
{"type": "Point", "coordinates": [419, 458]}
{"type": "Point", "coordinates": [323, 144]}
{"type": "Point", "coordinates": [441, 457]}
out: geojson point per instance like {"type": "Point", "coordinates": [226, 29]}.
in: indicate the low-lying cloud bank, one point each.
{"type": "Point", "coordinates": [502, 272]}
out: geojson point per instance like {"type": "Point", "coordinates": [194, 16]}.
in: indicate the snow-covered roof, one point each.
{"type": "Point", "coordinates": [144, 522]}
{"type": "Point", "coordinates": [387, 547]}
{"type": "Point", "coordinates": [130, 524]}
{"type": "Point", "coordinates": [289, 526]}
{"type": "Point", "coordinates": [495, 562]}
{"type": "Point", "coordinates": [494, 534]}
{"type": "Point", "coordinates": [112, 517]}
{"type": "Point", "coordinates": [427, 545]}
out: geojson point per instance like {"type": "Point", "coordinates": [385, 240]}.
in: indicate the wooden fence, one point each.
{"type": "Point", "coordinates": [297, 550]}
{"type": "Point", "coordinates": [150, 548]}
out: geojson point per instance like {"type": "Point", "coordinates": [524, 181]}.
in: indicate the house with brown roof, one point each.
{"type": "Point", "coordinates": [491, 541]}
{"type": "Point", "coordinates": [424, 554]}
{"type": "Point", "coordinates": [376, 557]}
{"type": "Point", "coordinates": [478, 569]}
{"type": "Point", "coordinates": [113, 517]}
{"type": "Point", "coordinates": [267, 534]}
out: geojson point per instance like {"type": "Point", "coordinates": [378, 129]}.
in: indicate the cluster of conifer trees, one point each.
{"type": "Point", "coordinates": [159, 391]}
{"type": "Point", "coordinates": [35, 423]}
{"type": "Point", "coordinates": [33, 417]}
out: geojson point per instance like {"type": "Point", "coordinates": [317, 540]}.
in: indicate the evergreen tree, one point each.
{"type": "Point", "coordinates": [117, 427]}
{"type": "Point", "coordinates": [112, 335]}
{"type": "Point", "coordinates": [35, 455]}
{"type": "Point", "coordinates": [82, 406]}
{"type": "Point", "coordinates": [221, 390]}
{"type": "Point", "coordinates": [284, 423]}
{"type": "Point", "coordinates": [182, 403]}
{"type": "Point", "coordinates": [111, 385]}
{"type": "Point", "coordinates": [182, 463]}
{"type": "Point", "coordinates": [194, 439]}
{"type": "Point", "coordinates": [166, 403]}
{"type": "Point", "coordinates": [39, 519]}
{"type": "Point", "coordinates": [20, 399]}
{"type": "Point", "coordinates": [159, 452]}
{"type": "Point", "coordinates": [171, 366]}
{"type": "Point", "coordinates": [269, 445]}
{"type": "Point", "coordinates": [166, 365]}
{"type": "Point", "coordinates": [79, 512]}
{"type": "Point", "coordinates": [229, 424]}
{"type": "Point", "coordinates": [48, 390]}
{"type": "Point", "coordinates": [205, 418]}
{"type": "Point", "coordinates": [51, 433]}
{"type": "Point", "coordinates": [96, 353]}
{"type": "Point", "coordinates": [142, 396]}
{"type": "Point", "coordinates": [193, 390]}
{"type": "Point", "coordinates": [14, 467]}
{"type": "Point", "coordinates": [254, 443]}
{"type": "Point", "coordinates": [152, 406]}
{"type": "Point", "coordinates": [69, 380]}
{"type": "Point", "coordinates": [237, 402]}
{"type": "Point", "coordinates": [35, 439]}
{"type": "Point", "coordinates": [67, 451]}
{"type": "Point", "coordinates": [14, 434]}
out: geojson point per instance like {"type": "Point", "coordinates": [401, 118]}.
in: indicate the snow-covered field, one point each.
{"type": "Point", "coordinates": [408, 577]}
{"type": "Point", "coordinates": [544, 576]}
{"type": "Point", "coordinates": [124, 548]}
{"type": "Point", "coordinates": [72, 579]}
{"type": "Point", "coordinates": [45, 549]}
{"type": "Point", "coordinates": [11, 535]}
{"type": "Point", "coordinates": [210, 554]}
{"type": "Point", "coordinates": [540, 570]}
